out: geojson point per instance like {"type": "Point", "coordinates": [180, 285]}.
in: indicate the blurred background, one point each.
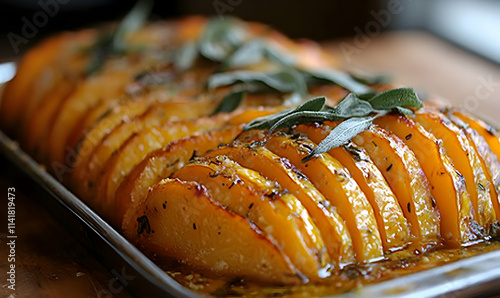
{"type": "Point", "coordinates": [447, 48]}
{"type": "Point", "coordinates": [471, 24]}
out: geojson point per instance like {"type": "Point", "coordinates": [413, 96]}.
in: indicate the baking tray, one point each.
{"type": "Point", "coordinates": [470, 277]}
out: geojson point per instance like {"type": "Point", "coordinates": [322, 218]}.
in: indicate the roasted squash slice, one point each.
{"type": "Point", "coordinates": [107, 115]}
{"type": "Point", "coordinates": [335, 183]}
{"type": "Point", "coordinates": [157, 114]}
{"type": "Point", "coordinates": [484, 130]}
{"type": "Point", "coordinates": [331, 226]}
{"type": "Point", "coordinates": [407, 180]}
{"type": "Point", "coordinates": [180, 220]}
{"type": "Point", "coordinates": [488, 159]}
{"type": "Point", "coordinates": [465, 159]}
{"type": "Point", "coordinates": [458, 224]}
{"type": "Point", "coordinates": [35, 127]}
{"type": "Point", "coordinates": [161, 164]}
{"type": "Point", "coordinates": [137, 147]}
{"type": "Point", "coordinates": [393, 226]}
{"type": "Point", "coordinates": [281, 217]}
{"type": "Point", "coordinates": [28, 88]}
{"type": "Point", "coordinates": [99, 87]}
{"type": "Point", "coordinates": [119, 116]}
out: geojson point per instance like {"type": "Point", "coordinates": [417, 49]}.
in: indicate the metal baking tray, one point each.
{"type": "Point", "coordinates": [470, 277]}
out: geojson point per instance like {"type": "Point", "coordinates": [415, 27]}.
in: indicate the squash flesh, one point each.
{"type": "Point", "coordinates": [331, 226]}
{"type": "Point", "coordinates": [393, 227]}
{"type": "Point", "coordinates": [484, 130]}
{"type": "Point", "coordinates": [406, 179]}
{"type": "Point", "coordinates": [199, 232]}
{"type": "Point", "coordinates": [155, 115]}
{"type": "Point", "coordinates": [160, 164]}
{"type": "Point", "coordinates": [335, 183]}
{"type": "Point", "coordinates": [27, 88]}
{"type": "Point", "coordinates": [458, 224]}
{"type": "Point", "coordinates": [488, 159]}
{"type": "Point", "coordinates": [465, 159]}
{"type": "Point", "coordinates": [136, 148]}
{"type": "Point", "coordinates": [279, 215]}
{"type": "Point", "coordinates": [89, 93]}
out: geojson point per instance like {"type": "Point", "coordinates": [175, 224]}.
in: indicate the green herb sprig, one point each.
{"type": "Point", "coordinates": [358, 114]}
{"type": "Point", "coordinates": [226, 42]}
{"type": "Point", "coordinates": [110, 43]}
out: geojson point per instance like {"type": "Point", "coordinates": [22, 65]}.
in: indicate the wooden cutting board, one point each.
{"type": "Point", "coordinates": [50, 263]}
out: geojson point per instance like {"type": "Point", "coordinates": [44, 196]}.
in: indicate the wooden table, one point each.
{"type": "Point", "coordinates": [50, 263]}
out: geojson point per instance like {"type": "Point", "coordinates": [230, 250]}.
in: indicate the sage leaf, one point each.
{"type": "Point", "coordinates": [342, 133]}
{"type": "Point", "coordinates": [352, 106]}
{"type": "Point", "coordinates": [279, 81]}
{"type": "Point", "coordinates": [342, 79]}
{"type": "Point", "coordinates": [281, 58]}
{"type": "Point", "coordinates": [110, 43]}
{"type": "Point", "coordinates": [314, 105]}
{"type": "Point", "coordinates": [404, 111]}
{"type": "Point", "coordinates": [133, 21]}
{"type": "Point", "coordinates": [265, 121]}
{"type": "Point", "coordinates": [220, 38]}
{"type": "Point", "coordinates": [370, 79]}
{"type": "Point", "coordinates": [186, 56]}
{"type": "Point", "coordinates": [299, 118]}
{"type": "Point", "coordinates": [401, 97]}
{"type": "Point", "coordinates": [230, 102]}
{"type": "Point", "coordinates": [249, 53]}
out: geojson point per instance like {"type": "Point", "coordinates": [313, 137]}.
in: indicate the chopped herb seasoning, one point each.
{"type": "Point", "coordinates": [143, 225]}
{"type": "Point", "coordinates": [409, 207]}
{"type": "Point", "coordinates": [389, 167]}
{"type": "Point", "coordinates": [194, 226]}
{"type": "Point", "coordinates": [408, 136]}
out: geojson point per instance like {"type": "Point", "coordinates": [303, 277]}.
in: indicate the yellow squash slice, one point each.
{"type": "Point", "coordinates": [458, 225]}
{"type": "Point", "coordinates": [157, 114]}
{"type": "Point", "coordinates": [161, 164]}
{"type": "Point", "coordinates": [137, 147]}
{"type": "Point", "coordinates": [484, 130]}
{"type": "Point", "coordinates": [465, 159]}
{"type": "Point", "coordinates": [180, 220]}
{"type": "Point", "coordinates": [393, 226]}
{"type": "Point", "coordinates": [335, 183]}
{"type": "Point", "coordinates": [281, 217]}
{"type": "Point", "coordinates": [333, 229]}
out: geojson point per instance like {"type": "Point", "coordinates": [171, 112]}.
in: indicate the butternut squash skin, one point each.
{"type": "Point", "coordinates": [392, 224]}
{"type": "Point", "coordinates": [281, 217]}
{"type": "Point", "coordinates": [458, 224]}
{"type": "Point", "coordinates": [180, 220]}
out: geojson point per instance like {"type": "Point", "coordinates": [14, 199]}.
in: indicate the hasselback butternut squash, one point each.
{"type": "Point", "coordinates": [240, 159]}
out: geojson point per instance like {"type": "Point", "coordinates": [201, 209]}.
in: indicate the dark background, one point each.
{"type": "Point", "coordinates": [471, 24]}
